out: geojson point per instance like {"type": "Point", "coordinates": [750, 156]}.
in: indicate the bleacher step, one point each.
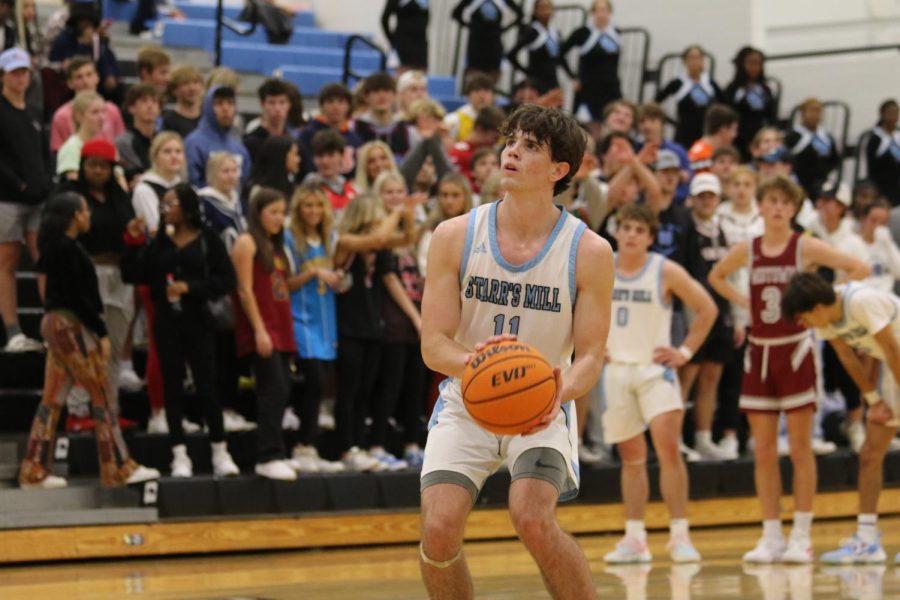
{"type": "Point", "coordinates": [74, 497]}
{"type": "Point", "coordinates": [72, 518]}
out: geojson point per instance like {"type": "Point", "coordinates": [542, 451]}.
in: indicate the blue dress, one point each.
{"type": "Point", "coordinates": [313, 305]}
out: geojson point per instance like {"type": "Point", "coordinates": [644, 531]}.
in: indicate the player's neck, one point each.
{"type": "Point", "coordinates": [774, 236]}
{"type": "Point", "coordinates": [628, 263]}
{"type": "Point", "coordinates": [526, 216]}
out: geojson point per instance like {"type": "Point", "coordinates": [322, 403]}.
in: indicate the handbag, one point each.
{"type": "Point", "coordinates": [221, 309]}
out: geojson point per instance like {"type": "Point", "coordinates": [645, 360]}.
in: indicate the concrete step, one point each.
{"type": "Point", "coordinates": [77, 496]}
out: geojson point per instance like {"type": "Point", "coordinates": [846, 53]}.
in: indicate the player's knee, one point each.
{"type": "Point", "coordinates": [532, 524]}
{"type": "Point", "coordinates": [667, 451]}
{"type": "Point", "coordinates": [441, 536]}
{"type": "Point", "coordinates": [870, 456]}
{"type": "Point", "coordinates": [766, 454]}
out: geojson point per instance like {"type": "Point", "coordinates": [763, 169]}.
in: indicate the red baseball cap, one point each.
{"type": "Point", "coordinates": [99, 148]}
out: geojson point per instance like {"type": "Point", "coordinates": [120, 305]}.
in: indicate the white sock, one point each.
{"type": "Point", "coordinates": [635, 528]}
{"type": "Point", "coordinates": [179, 451]}
{"type": "Point", "coordinates": [802, 523]}
{"type": "Point", "coordinates": [126, 365]}
{"type": "Point", "coordinates": [772, 528]}
{"type": "Point", "coordinates": [678, 528]}
{"type": "Point", "coordinates": [867, 528]}
{"type": "Point", "coordinates": [703, 437]}
{"type": "Point", "coordinates": [219, 448]}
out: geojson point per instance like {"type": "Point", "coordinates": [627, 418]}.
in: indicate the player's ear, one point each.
{"type": "Point", "coordinates": [559, 170]}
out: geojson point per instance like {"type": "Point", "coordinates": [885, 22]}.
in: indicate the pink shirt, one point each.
{"type": "Point", "coordinates": [62, 126]}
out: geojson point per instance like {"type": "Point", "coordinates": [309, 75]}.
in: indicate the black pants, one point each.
{"type": "Point", "coordinates": [835, 377]}
{"type": "Point", "coordinates": [273, 388]}
{"type": "Point", "coordinates": [728, 414]}
{"type": "Point", "coordinates": [357, 369]}
{"type": "Point", "coordinates": [401, 382]}
{"type": "Point", "coordinates": [227, 371]}
{"type": "Point", "coordinates": [307, 397]}
{"type": "Point", "coordinates": [181, 338]}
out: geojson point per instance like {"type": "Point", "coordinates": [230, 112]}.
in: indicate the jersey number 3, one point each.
{"type": "Point", "coordinates": [513, 325]}
{"type": "Point", "coordinates": [771, 312]}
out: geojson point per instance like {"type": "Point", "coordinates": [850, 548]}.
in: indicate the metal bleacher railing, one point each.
{"type": "Point", "coordinates": [251, 17]}
{"type": "Point", "coordinates": [353, 41]}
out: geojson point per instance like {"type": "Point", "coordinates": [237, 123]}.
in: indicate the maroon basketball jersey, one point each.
{"type": "Point", "coordinates": [769, 275]}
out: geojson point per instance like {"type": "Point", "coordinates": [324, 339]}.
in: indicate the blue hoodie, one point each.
{"type": "Point", "coordinates": [211, 137]}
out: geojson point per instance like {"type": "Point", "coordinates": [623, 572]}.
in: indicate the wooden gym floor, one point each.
{"type": "Point", "coordinates": [500, 570]}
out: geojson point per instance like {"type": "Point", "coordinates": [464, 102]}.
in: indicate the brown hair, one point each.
{"type": "Point", "coordinates": [640, 213]}
{"type": "Point", "coordinates": [139, 91]}
{"type": "Point", "coordinates": [651, 110]}
{"type": "Point", "coordinates": [780, 183]}
{"type": "Point", "coordinates": [183, 74]}
{"type": "Point", "coordinates": [77, 63]}
{"type": "Point", "coordinates": [266, 245]}
{"type": "Point", "coordinates": [148, 59]}
{"type": "Point", "coordinates": [298, 227]}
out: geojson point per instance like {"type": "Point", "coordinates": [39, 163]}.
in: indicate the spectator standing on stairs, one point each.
{"type": "Point", "coordinates": [78, 348]}
{"type": "Point", "coordinates": [883, 153]}
{"type": "Point", "coordinates": [485, 21]}
{"type": "Point", "coordinates": [694, 91]}
{"type": "Point", "coordinates": [408, 38]}
{"type": "Point", "coordinates": [24, 184]}
{"type": "Point", "coordinates": [186, 266]}
{"type": "Point", "coordinates": [543, 44]}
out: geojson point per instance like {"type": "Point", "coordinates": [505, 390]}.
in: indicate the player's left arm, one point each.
{"type": "Point", "coordinates": [594, 276]}
{"type": "Point", "coordinates": [818, 253]}
{"type": "Point", "coordinates": [880, 411]}
{"type": "Point", "coordinates": [689, 290]}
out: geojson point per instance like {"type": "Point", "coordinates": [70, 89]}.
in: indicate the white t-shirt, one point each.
{"type": "Point", "coordinates": [883, 258]}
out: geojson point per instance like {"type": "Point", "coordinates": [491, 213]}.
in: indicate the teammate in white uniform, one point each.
{"type": "Point", "coordinates": [513, 268]}
{"type": "Point", "coordinates": [640, 384]}
{"type": "Point", "coordinates": [858, 318]}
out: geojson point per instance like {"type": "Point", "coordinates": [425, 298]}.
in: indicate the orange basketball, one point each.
{"type": "Point", "coordinates": [508, 387]}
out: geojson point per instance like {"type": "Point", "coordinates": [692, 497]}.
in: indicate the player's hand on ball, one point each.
{"type": "Point", "coordinates": [494, 339]}
{"type": "Point", "coordinates": [880, 413]}
{"type": "Point", "coordinates": [554, 411]}
{"type": "Point", "coordinates": [668, 357]}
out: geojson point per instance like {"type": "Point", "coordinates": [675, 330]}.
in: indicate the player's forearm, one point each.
{"type": "Point", "coordinates": [854, 369]}
{"type": "Point", "coordinates": [700, 328]}
{"type": "Point", "coordinates": [581, 376]}
{"type": "Point", "coordinates": [443, 354]}
{"type": "Point", "coordinates": [720, 284]}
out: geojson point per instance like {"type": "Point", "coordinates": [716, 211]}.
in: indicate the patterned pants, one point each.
{"type": "Point", "coordinates": [74, 356]}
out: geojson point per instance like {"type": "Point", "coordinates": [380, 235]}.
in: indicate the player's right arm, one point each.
{"type": "Point", "coordinates": [718, 276]}
{"type": "Point", "coordinates": [878, 411]}
{"type": "Point", "coordinates": [441, 307]}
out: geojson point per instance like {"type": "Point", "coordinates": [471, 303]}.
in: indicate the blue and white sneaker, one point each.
{"type": "Point", "coordinates": [414, 457]}
{"type": "Point", "coordinates": [854, 551]}
{"type": "Point", "coordinates": [388, 460]}
{"type": "Point", "coordinates": [629, 550]}
{"type": "Point", "coordinates": [897, 558]}
{"type": "Point", "coordinates": [681, 550]}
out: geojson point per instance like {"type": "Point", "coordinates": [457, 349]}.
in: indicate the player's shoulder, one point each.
{"type": "Point", "coordinates": [593, 247]}
{"type": "Point", "coordinates": [451, 231]}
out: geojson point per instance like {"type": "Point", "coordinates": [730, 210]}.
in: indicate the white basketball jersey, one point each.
{"type": "Point", "coordinates": [533, 300]}
{"type": "Point", "coordinates": [641, 317]}
{"type": "Point", "coordinates": [866, 312]}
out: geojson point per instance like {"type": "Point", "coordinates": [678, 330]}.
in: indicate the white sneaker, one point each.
{"type": "Point", "coordinates": [50, 482]}
{"type": "Point", "coordinates": [235, 421]}
{"type": "Point", "coordinates": [593, 455]}
{"type": "Point", "coordinates": [768, 550]}
{"type": "Point", "coordinates": [689, 454]}
{"type": "Point", "coordinates": [629, 550]}
{"type": "Point", "coordinates": [142, 474]}
{"type": "Point", "coordinates": [390, 462]}
{"type": "Point", "coordinates": [21, 343]}
{"type": "Point", "coordinates": [821, 447]}
{"type": "Point", "coordinates": [356, 459]}
{"type": "Point", "coordinates": [190, 426]}
{"type": "Point", "coordinates": [181, 465]}
{"type": "Point", "coordinates": [682, 550]}
{"type": "Point", "coordinates": [304, 459]}
{"type": "Point", "coordinates": [709, 451]}
{"type": "Point", "coordinates": [856, 433]}
{"type": "Point", "coordinates": [729, 447]}
{"type": "Point", "coordinates": [128, 380]}
{"type": "Point", "coordinates": [223, 464]}
{"type": "Point", "coordinates": [157, 423]}
{"type": "Point", "coordinates": [326, 421]}
{"type": "Point", "coordinates": [799, 550]}
{"type": "Point", "coordinates": [894, 445]}
{"type": "Point", "coordinates": [290, 421]}
{"type": "Point", "coordinates": [276, 469]}
{"type": "Point", "coordinates": [322, 465]}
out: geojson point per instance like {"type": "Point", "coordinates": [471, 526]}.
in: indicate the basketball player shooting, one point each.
{"type": "Point", "coordinates": [513, 269]}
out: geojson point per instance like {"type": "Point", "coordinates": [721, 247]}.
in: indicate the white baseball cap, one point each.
{"type": "Point", "coordinates": [14, 58]}
{"type": "Point", "coordinates": [705, 182]}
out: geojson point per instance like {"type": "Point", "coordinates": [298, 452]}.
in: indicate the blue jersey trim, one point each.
{"type": "Point", "coordinates": [638, 275]}
{"type": "Point", "coordinates": [439, 405]}
{"type": "Point", "coordinates": [467, 249]}
{"type": "Point", "coordinates": [573, 251]}
{"type": "Point", "coordinates": [495, 247]}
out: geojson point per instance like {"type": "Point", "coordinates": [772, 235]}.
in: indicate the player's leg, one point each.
{"type": "Point", "coordinates": [704, 409]}
{"type": "Point", "coordinates": [767, 477]}
{"type": "Point", "coordinates": [800, 431]}
{"type": "Point", "coordinates": [445, 507]}
{"type": "Point", "coordinates": [865, 545]}
{"type": "Point", "coordinates": [532, 507]}
{"type": "Point", "coordinates": [665, 430]}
